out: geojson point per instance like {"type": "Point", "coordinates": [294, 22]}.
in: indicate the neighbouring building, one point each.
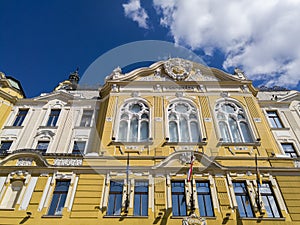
{"type": "Point", "coordinates": [153, 146]}
{"type": "Point", "coordinates": [10, 91]}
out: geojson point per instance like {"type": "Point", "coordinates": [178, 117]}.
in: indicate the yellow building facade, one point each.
{"type": "Point", "coordinates": [174, 139]}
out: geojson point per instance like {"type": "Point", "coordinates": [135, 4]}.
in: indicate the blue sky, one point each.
{"type": "Point", "coordinates": [41, 42]}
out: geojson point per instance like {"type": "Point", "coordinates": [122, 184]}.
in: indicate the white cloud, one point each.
{"type": "Point", "coordinates": [262, 37]}
{"type": "Point", "coordinates": [134, 11]}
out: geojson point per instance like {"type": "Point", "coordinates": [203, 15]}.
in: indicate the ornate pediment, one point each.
{"type": "Point", "coordinates": [177, 68]}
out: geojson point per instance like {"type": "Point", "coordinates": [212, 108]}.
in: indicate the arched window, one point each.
{"type": "Point", "coordinates": [134, 122]}
{"type": "Point", "coordinates": [233, 123]}
{"type": "Point", "coordinates": [183, 122]}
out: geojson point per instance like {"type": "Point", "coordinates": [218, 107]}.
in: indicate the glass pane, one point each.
{"type": "Point", "coordinates": [86, 118]}
{"type": "Point", "coordinates": [246, 132]}
{"type": "Point", "coordinates": [133, 134]}
{"type": "Point", "coordinates": [5, 145]}
{"type": "Point", "coordinates": [234, 130]}
{"type": "Point", "coordinates": [195, 132]}
{"type": "Point", "coordinates": [42, 145]}
{"type": "Point", "coordinates": [224, 132]}
{"type": "Point", "coordinates": [20, 117]}
{"type": "Point", "coordinates": [53, 117]}
{"type": "Point", "coordinates": [178, 199]}
{"type": "Point", "coordinates": [181, 108]}
{"type": "Point", "coordinates": [115, 198]}
{"type": "Point", "coordinates": [123, 131]}
{"type": "Point", "coordinates": [172, 116]}
{"type": "Point", "coordinates": [144, 131]}
{"type": "Point", "coordinates": [183, 126]}
{"type": "Point", "coordinates": [228, 108]}
{"type": "Point", "coordinates": [173, 132]}
{"type": "Point", "coordinates": [79, 147]}
{"type": "Point", "coordinates": [135, 108]}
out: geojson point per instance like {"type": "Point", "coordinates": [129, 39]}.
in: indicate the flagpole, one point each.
{"type": "Point", "coordinates": [127, 183]}
{"type": "Point", "coordinates": [190, 178]}
{"type": "Point", "coordinates": [257, 183]}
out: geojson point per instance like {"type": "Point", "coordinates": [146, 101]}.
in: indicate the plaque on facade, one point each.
{"type": "Point", "coordinates": [193, 220]}
{"type": "Point", "coordinates": [68, 162]}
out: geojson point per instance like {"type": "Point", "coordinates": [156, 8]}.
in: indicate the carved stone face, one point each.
{"type": "Point", "coordinates": [178, 69]}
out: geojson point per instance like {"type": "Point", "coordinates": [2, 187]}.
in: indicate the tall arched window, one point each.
{"type": "Point", "coordinates": [233, 123]}
{"type": "Point", "coordinates": [183, 122]}
{"type": "Point", "coordinates": [134, 122]}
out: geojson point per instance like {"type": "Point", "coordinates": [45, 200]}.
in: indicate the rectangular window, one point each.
{"type": "Point", "coordinates": [141, 198]}
{"type": "Point", "coordinates": [53, 117]}
{"type": "Point", "coordinates": [204, 199]}
{"type": "Point", "coordinates": [20, 117]}
{"type": "Point", "coordinates": [78, 147]}
{"type": "Point", "coordinates": [86, 118]}
{"type": "Point", "coordinates": [289, 150]}
{"type": "Point", "coordinates": [59, 198]}
{"type": "Point", "coordinates": [42, 145]}
{"type": "Point", "coordinates": [178, 199]}
{"type": "Point", "coordinates": [12, 194]}
{"type": "Point", "coordinates": [269, 200]}
{"type": "Point", "coordinates": [243, 200]}
{"type": "Point", "coordinates": [274, 119]}
{"type": "Point", "coordinates": [115, 198]}
{"type": "Point", "coordinates": [5, 146]}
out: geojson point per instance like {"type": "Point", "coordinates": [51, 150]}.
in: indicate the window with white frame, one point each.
{"type": "Point", "coordinates": [5, 146]}
{"type": "Point", "coordinates": [53, 117]}
{"type": "Point", "coordinates": [178, 198]}
{"type": "Point", "coordinates": [140, 198]}
{"type": "Point", "coordinates": [59, 197]}
{"type": "Point", "coordinates": [12, 194]}
{"type": "Point", "coordinates": [115, 198]}
{"type": "Point", "coordinates": [204, 199]}
{"type": "Point", "coordinates": [183, 122]}
{"type": "Point", "coordinates": [243, 199]}
{"type": "Point", "coordinates": [233, 123]}
{"type": "Point", "coordinates": [79, 147]}
{"type": "Point", "coordinates": [289, 150]}
{"type": "Point", "coordinates": [134, 122]}
{"type": "Point", "coordinates": [269, 200]}
{"type": "Point", "coordinates": [20, 117]}
{"type": "Point", "coordinates": [274, 119]}
{"type": "Point", "coordinates": [42, 146]}
{"type": "Point", "coordinates": [86, 118]}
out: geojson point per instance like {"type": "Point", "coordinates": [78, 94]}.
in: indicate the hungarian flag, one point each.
{"type": "Point", "coordinates": [190, 172]}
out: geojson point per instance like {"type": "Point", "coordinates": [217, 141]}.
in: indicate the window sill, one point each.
{"type": "Point", "coordinates": [13, 127]}
{"type": "Point", "coordinates": [131, 143]}
{"type": "Point", "coordinates": [48, 127]}
{"type": "Point", "coordinates": [280, 128]}
{"type": "Point", "coordinates": [7, 209]}
{"type": "Point", "coordinates": [263, 218]}
{"type": "Point", "coordinates": [169, 143]}
{"type": "Point", "coordinates": [206, 217]}
{"type": "Point", "coordinates": [52, 216]}
{"type": "Point", "coordinates": [127, 216]}
{"type": "Point", "coordinates": [228, 144]}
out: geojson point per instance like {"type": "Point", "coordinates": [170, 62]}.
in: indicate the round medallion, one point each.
{"type": "Point", "coordinates": [178, 69]}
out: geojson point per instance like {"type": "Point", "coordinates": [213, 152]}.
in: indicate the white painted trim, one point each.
{"type": "Point", "coordinates": [73, 193]}
{"type": "Point", "coordinates": [28, 193]}
{"type": "Point", "coordinates": [230, 192]}
{"type": "Point", "coordinates": [214, 193]}
{"type": "Point", "coordinates": [2, 187]}
{"type": "Point", "coordinates": [277, 194]}
{"type": "Point", "coordinates": [45, 193]}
